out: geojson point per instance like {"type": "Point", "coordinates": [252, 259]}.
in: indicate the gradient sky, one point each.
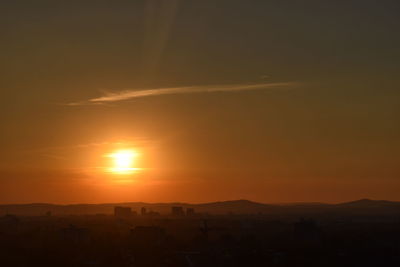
{"type": "Point", "coordinates": [272, 101]}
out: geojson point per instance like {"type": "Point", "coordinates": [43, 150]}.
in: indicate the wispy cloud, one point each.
{"type": "Point", "coordinates": [131, 94]}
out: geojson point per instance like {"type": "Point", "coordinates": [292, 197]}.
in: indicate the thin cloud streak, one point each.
{"type": "Point", "coordinates": [132, 94]}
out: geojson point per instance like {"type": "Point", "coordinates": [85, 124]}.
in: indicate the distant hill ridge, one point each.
{"type": "Point", "coordinates": [241, 206]}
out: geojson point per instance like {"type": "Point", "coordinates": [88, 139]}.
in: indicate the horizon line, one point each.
{"type": "Point", "coordinates": [197, 203]}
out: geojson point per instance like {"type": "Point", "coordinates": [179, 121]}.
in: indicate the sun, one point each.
{"type": "Point", "coordinates": [123, 161]}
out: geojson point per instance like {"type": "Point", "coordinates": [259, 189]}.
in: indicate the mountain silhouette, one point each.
{"type": "Point", "coordinates": [362, 206]}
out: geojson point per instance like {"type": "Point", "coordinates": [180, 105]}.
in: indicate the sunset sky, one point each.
{"type": "Point", "coordinates": [266, 100]}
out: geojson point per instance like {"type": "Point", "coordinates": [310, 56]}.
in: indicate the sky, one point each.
{"type": "Point", "coordinates": [271, 101]}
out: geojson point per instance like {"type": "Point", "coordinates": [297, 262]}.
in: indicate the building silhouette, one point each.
{"type": "Point", "coordinates": [177, 211]}
{"type": "Point", "coordinates": [190, 212]}
{"type": "Point", "coordinates": [143, 211]}
{"type": "Point", "coordinates": [122, 212]}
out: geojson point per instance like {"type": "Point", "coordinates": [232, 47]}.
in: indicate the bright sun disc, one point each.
{"type": "Point", "coordinates": [123, 161]}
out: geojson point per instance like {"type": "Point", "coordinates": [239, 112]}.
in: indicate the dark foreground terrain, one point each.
{"type": "Point", "coordinates": [188, 238]}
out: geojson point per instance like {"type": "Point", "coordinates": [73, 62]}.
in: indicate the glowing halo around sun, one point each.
{"type": "Point", "coordinates": [123, 161]}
